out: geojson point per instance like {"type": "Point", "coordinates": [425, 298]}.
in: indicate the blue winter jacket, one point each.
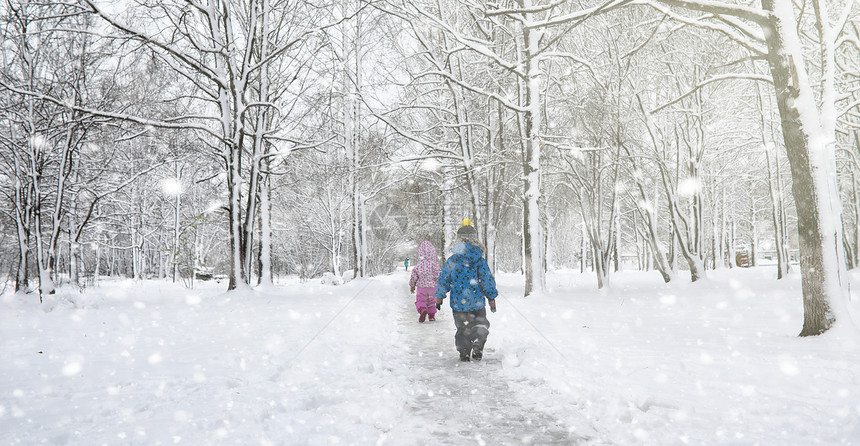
{"type": "Point", "coordinates": [467, 277]}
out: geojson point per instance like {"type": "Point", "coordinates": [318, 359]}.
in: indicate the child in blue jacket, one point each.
{"type": "Point", "coordinates": [468, 278]}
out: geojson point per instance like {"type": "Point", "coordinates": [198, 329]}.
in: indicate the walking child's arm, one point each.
{"type": "Point", "coordinates": [413, 279]}
{"type": "Point", "coordinates": [486, 280]}
{"type": "Point", "coordinates": [443, 284]}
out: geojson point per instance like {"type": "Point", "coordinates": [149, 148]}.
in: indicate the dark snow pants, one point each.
{"type": "Point", "coordinates": [472, 330]}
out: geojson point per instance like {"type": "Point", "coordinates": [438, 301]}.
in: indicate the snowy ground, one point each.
{"type": "Point", "coordinates": [646, 363]}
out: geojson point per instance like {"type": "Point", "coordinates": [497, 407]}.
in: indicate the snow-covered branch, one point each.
{"type": "Point", "coordinates": [721, 8]}
{"type": "Point", "coordinates": [715, 78]}
{"type": "Point", "coordinates": [525, 10]}
{"type": "Point", "coordinates": [197, 65]}
{"type": "Point", "coordinates": [579, 15]}
{"type": "Point", "coordinates": [502, 100]}
{"type": "Point", "coordinates": [847, 108]}
{"type": "Point", "coordinates": [744, 36]}
{"type": "Point", "coordinates": [168, 123]}
{"type": "Point", "coordinates": [571, 56]}
{"type": "Point", "coordinates": [474, 44]}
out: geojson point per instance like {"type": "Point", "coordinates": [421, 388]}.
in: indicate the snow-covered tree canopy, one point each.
{"type": "Point", "coordinates": [678, 136]}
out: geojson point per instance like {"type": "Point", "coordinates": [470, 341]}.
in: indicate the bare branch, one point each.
{"type": "Point", "coordinates": [752, 14]}
{"type": "Point", "coordinates": [168, 123]}
{"type": "Point", "coordinates": [580, 15]}
{"type": "Point", "coordinates": [715, 78]}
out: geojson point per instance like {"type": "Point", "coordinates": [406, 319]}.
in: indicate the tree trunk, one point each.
{"type": "Point", "coordinates": [265, 234]}
{"type": "Point", "coordinates": [74, 251]}
{"type": "Point", "coordinates": [649, 218]}
{"type": "Point", "coordinates": [820, 250]}
{"type": "Point", "coordinates": [716, 220]}
{"type": "Point", "coordinates": [583, 253]}
{"type": "Point", "coordinates": [754, 230]}
{"type": "Point", "coordinates": [263, 124]}
{"type": "Point", "coordinates": [365, 244]}
{"type": "Point", "coordinates": [727, 258]}
{"type": "Point", "coordinates": [46, 284]}
{"type": "Point", "coordinates": [250, 225]}
{"type": "Point", "coordinates": [856, 199]}
{"type": "Point", "coordinates": [616, 240]}
{"type": "Point", "coordinates": [693, 259]}
{"type": "Point", "coordinates": [22, 278]}
{"type": "Point", "coordinates": [174, 257]}
{"type": "Point", "coordinates": [778, 227]}
{"type": "Point", "coordinates": [357, 243]}
{"type": "Point", "coordinates": [351, 89]}
{"type": "Point", "coordinates": [495, 138]}
{"type": "Point", "coordinates": [449, 220]}
{"type": "Point", "coordinates": [535, 278]}
{"type": "Point", "coordinates": [98, 266]}
{"type": "Point", "coordinates": [597, 249]}
{"type": "Point", "coordinates": [688, 241]}
{"type": "Point", "coordinates": [237, 272]}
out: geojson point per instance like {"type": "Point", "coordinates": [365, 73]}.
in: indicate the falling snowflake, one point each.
{"type": "Point", "coordinates": [171, 187]}
{"type": "Point", "coordinates": [689, 187]}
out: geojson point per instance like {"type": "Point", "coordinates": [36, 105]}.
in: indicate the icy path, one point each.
{"type": "Point", "coordinates": [364, 371]}
{"type": "Point", "coordinates": [466, 403]}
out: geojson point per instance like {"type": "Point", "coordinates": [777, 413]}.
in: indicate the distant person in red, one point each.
{"type": "Point", "coordinates": [423, 278]}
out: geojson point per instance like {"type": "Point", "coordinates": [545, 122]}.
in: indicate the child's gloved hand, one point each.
{"type": "Point", "coordinates": [438, 304]}
{"type": "Point", "coordinates": [412, 289]}
{"type": "Point", "coordinates": [492, 305]}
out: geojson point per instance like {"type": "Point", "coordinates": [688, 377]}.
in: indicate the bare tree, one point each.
{"type": "Point", "coordinates": [42, 140]}
{"type": "Point", "coordinates": [807, 128]}
{"type": "Point", "coordinates": [226, 50]}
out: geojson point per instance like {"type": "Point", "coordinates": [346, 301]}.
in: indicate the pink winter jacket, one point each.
{"type": "Point", "coordinates": [426, 272]}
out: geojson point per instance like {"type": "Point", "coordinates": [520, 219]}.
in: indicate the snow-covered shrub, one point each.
{"type": "Point", "coordinates": [331, 279]}
{"type": "Point", "coordinates": [347, 276]}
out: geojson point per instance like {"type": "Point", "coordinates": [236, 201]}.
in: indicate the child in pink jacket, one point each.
{"type": "Point", "coordinates": [424, 276]}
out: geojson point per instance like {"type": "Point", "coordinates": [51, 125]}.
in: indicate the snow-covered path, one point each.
{"type": "Point", "coordinates": [155, 363]}
{"type": "Point", "coordinates": [465, 403]}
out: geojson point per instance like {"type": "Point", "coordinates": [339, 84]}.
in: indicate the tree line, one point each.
{"type": "Point", "coordinates": [183, 138]}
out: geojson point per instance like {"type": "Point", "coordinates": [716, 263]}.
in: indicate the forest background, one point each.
{"type": "Point", "coordinates": [248, 140]}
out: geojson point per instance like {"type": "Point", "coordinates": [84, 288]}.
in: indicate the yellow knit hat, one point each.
{"type": "Point", "coordinates": [467, 230]}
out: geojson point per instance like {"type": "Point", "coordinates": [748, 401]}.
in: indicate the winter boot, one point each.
{"type": "Point", "coordinates": [423, 315]}
{"type": "Point", "coordinates": [464, 355]}
{"type": "Point", "coordinates": [477, 351]}
{"type": "Point", "coordinates": [431, 317]}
